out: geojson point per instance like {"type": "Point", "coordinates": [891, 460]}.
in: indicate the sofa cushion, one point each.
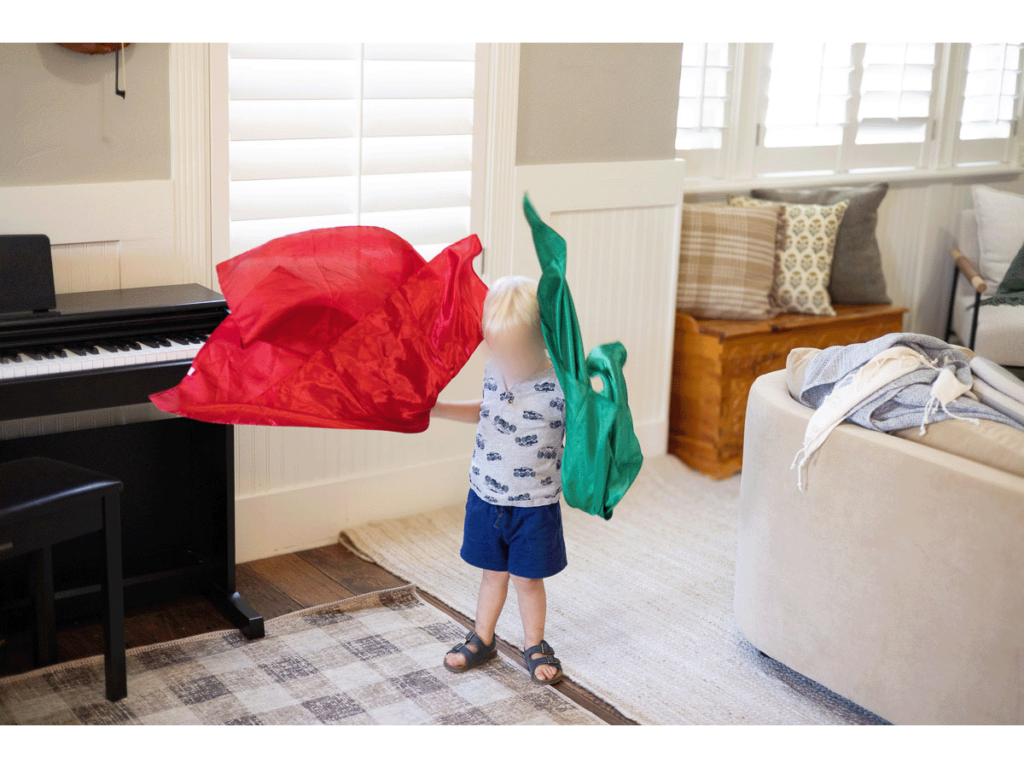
{"type": "Point", "coordinates": [990, 443]}
{"type": "Point", "coordinates": [1000, 218]}
{"type": "Point", "coordinates": [727, 262]}
{"type": "Point", "coordinates": [857, 276]}
{"type": "Point", "coordinates": [805, 264]}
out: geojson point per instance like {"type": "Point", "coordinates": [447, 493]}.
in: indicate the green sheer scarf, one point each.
{"type": "Point", "coordinates": [602, 454]}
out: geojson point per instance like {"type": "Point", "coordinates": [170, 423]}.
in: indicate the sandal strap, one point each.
{"type": "Point", "coordinates": [548, 658]}
{"type": "Point", "coordinates": [470, 655]}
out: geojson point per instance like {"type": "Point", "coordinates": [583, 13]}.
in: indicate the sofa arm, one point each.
{"type": "Point", "coordinates": [968, 270]}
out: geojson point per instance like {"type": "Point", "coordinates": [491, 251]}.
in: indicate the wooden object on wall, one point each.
{"type": "Point", "coordinates": [715, 362]}
{"type": "Point", "coordinates": [93, 48]}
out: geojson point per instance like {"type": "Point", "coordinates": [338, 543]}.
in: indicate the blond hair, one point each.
{"type": "Point", "coordinates": [511, 305]}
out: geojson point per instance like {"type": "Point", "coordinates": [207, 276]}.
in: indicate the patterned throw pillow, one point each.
{"type": "Point", "coordinates": [727, 261]}
{"type": "Point", "coordinates": [805, 263]}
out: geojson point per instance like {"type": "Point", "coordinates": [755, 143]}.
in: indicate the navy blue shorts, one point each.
{"type": "Point", "coordinates": [525, 541]}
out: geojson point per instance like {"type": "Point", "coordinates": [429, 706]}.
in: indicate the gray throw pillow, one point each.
{"type": "Point", "coordinates": [857, 264]}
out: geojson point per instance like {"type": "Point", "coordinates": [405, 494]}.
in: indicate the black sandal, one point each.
{"type": "Point", "coordinates": [482, 654]}
{"type": "Point", "coordinates": [548, 658]}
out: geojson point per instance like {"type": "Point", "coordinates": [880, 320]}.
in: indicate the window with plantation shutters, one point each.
{"type": "Point", "coordinates": [834, 107]}
{"type": "Point", "coordinates": [705, 84]}
{"type": "Point", "coordinates": [342, 134]}
{"type": "Point", "coordinates": [895, 105]}
{"type": "Point", "coordinates": [990, 112]}
{"type": "Point", "coordinates": [804, 106]}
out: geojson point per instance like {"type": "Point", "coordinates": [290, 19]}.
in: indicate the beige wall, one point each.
{"type": "Point", "coordinates": [597, 102]}
{"type": "Point", "coordinates": [61, 123]}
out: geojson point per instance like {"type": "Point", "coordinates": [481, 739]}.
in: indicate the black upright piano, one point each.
{"type": "Point", "coordinates": [95, 359]}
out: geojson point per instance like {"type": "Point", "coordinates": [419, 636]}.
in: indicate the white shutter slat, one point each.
{"type": "Point", "coordinates": [302, 158]}
{"type": "Point", "coordinates": [246, 235]}
{"type": "Point", "coordinates": [419, 52]}
{"type": "Point", "coordinates": [338, 51]}
{"type": "Point", "coordinates": [410, 191]}
{"type": "Point", "coordinates": [417, 117]}
{"type": "Point", "coordinates": [288, 198]}
{"type": "Point", "coordinates": [293, 79]}
{"type": "Point", "coordinates": [418, 80]}
{"type": "Point", "coordinates": [431, 225]}
{"type": "Point", "coordinates": [409, 154]}
{"type": "Point", "coordinates": [250, 120]}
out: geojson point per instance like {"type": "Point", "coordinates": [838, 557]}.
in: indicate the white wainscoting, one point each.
{"type": "Point", "coordinates": [116, 235]}
{"type": "Point", "coordinates": [621, 225]}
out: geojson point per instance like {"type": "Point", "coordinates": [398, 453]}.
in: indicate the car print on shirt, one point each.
{"type": "Point", "coordinates": [479, 442]}
{"type": "Point", "coordinates": [532, 416]}
{"type": "Point", "coordinates": [490, 385]}
{"type": "Point", "coordinates": [527, 440]}
{"type": "Point", "coordinates": [545, 386]}
{"type": "Point", "coordinates": [546, 481]}
{"type": "Point", "coordinates": [557, 424]}
{"type": "Point", "coordinates": [546, 453]}
{"type": "Point", "coordinates": [490, 500]}
{"type": "Point", "coordinates": [558, 404]}
{"type": "Point", "coordinates": [494, 456]}
{"type": "Point", "coordinates": [494, 485]}
{"type": "Point", "coordinates": [485, 412]}
{"type": "Point", "coordinates": [476, 470]}
{"type": "Point", "coordinates": [503, 426]}
{"type": "Point", "coordinates": [524, 472]}
{"type": "Point", "coordinates": [506, 396]}
{"type": "Point", "coordinates": [520, 497]}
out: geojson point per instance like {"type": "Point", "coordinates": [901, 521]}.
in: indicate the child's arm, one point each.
{"type": "Point", "coordinates": [465, 410]}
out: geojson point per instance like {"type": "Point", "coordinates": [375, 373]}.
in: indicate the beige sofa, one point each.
{"type": "Point", "coordinates": [896, 579]}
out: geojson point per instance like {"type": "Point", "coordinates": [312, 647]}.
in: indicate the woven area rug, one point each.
{"type": "Point", "coordinates": [643, 616]}
{"type": "Point", "coordinates": [375, 658]}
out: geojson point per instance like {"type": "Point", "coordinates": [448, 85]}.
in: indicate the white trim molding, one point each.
{"type": "Point", "coordinates": [500, 108]}
{"type": "Point", "coordinates": [621, 222]}
{"type": "Point", "coordinates": [190, 159]}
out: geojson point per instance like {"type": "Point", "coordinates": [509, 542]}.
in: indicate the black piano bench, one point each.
{"type": "Point", "coordinates": [44, 502]}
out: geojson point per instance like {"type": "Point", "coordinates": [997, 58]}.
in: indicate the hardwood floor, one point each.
{"type": "Point", "coordinates": [274, 586]}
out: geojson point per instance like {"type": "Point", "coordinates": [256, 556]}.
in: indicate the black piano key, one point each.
{"type": "Point", "coordinates": [164, 342]}
{"type": "Point", "coordinates": [151, 343]}
{"type": "Point", "coordinates": [179, 338]}
{"type": "Point", "coordinates": [59, 351]}
{"type": "Point", "coordinates": [80, 351]}
{"type": "Point", "coordinates": [32, 354]}
{"type": "Point", "coordinates": [107, 345]}
{"type": "Point", "coordinates": [134, 345]}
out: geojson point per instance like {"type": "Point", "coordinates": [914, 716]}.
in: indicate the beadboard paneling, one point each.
{"type": "Point", "coordinates": [621, 225]}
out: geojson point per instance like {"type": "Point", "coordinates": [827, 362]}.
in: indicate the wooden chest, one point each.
{"type": "Point", "coordinates": [716, 361]}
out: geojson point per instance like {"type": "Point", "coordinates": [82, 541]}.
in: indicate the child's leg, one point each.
{"type": "Point", "coordinates": [489, 602]}
{"type": "Point", "coordinates": [533, 606]}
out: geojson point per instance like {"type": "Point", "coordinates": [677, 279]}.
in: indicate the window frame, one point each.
{"type": "Point", "coordinates": [743, 162]}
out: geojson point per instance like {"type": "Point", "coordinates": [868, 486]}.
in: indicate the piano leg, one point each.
{"type": "Point", "coordinates": [237, 611]}
{"type": "Point", "coordinates": [220, 443]}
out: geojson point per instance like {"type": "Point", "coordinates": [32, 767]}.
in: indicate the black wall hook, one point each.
{"type": "Point", "coordinates": [118, 52]}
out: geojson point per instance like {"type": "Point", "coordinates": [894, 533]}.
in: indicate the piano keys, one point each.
{"type": "Point", "coordinates": [106, 351]}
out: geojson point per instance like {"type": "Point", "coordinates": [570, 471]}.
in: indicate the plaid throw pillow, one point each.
{"type": "Point", "coordinates": [727, 261]}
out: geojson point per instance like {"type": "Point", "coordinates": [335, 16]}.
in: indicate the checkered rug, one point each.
{"type": "Point", "coordinates": [375, 658]}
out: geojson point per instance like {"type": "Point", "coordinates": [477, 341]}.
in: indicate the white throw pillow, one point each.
{"type": "Point", "coordinates": [1000, 218]}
